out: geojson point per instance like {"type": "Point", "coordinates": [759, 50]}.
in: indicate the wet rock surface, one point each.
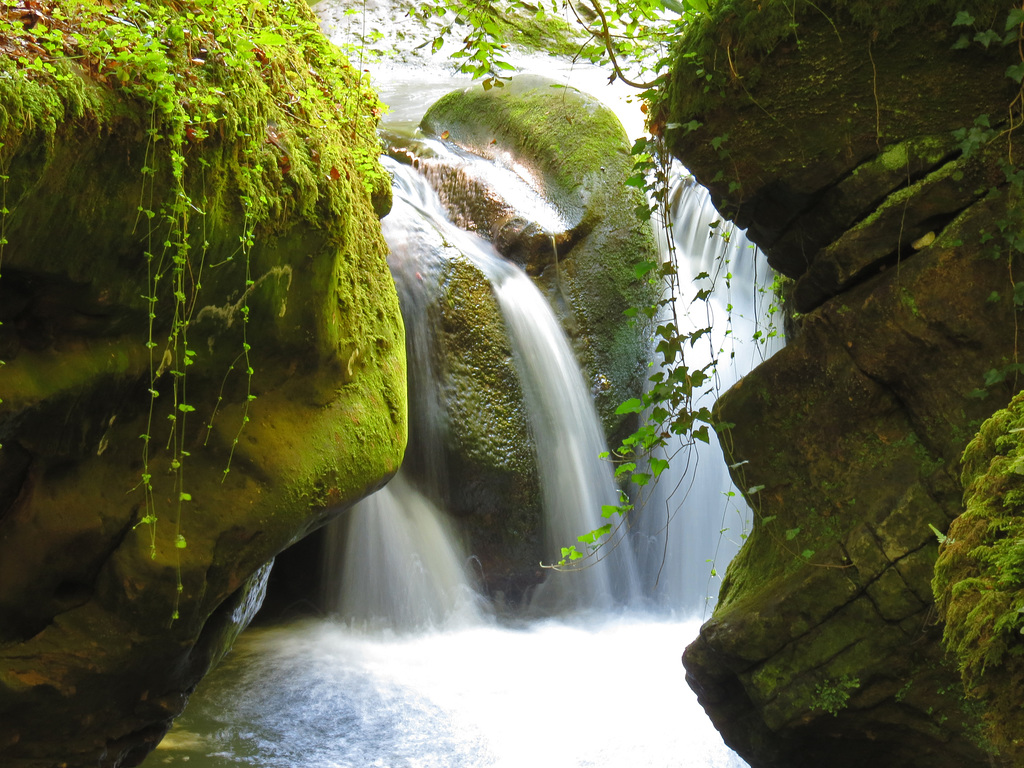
{"type": "Point", "coordinates": [842, 161]}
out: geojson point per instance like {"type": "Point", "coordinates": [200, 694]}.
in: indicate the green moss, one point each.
{"type": "Point", "coordinates": [210, 174]}
{"type": "Point", "coordinates": [260, 80]}
{"type": "Point", "coordinates": [484, 396]}
{"type": "Point", "coordinates": [979, 577]}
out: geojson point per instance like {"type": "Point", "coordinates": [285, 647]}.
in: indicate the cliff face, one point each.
{"type": "Point", "coordinates": [203, 357]}
{"type": "Point", "coordinates": [864, 150]}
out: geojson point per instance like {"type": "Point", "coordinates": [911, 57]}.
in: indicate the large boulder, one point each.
{"type": "Point", "coordinates": [575, 154]}
{"type": "Point", "coordinates": [203, 357]}
{"type": "Point", "coordinates": [850, 140]}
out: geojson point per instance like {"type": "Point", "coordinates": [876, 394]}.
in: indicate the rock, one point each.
{"type": "Point", "coordinates": [491, 468]}
{"type": "Point", "coordinates": [835, 147]}
{"type": "Point", "coordinates": [573, 151]}
{"type": "Point", "coordinates": [127, 565]}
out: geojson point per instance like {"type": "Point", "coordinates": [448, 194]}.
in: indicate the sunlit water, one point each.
{"type": "Point", "coordinates": [594, 692]}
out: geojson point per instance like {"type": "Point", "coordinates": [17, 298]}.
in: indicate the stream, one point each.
{"type": "Point", "coordinates": [414, 669]}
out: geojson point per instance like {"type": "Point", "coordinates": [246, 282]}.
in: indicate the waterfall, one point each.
{"type": "Point", "coordinates": [576, 483]}
{"type": "Point", "coordinates": [399, 563]}
{"type": "Point", "coordinates": [378, 555]}
{"type": "Point", "coordinates": [694, 520]}
{"type": "Point", "coordinates": [457, 687]}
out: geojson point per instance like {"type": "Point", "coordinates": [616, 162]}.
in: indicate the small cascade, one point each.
{"type": "Point", "coordinates": [400, 566]}
{"type": "Point", "coordinates": [567, 434]}
{"type": "Point", "coordinates": [694, 520]}
{"type": "Point", "coordinates": [575, 481]}
{"type": "Point", "coordinates": [393, 560]}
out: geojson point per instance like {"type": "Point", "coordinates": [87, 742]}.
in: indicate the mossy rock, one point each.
{"type": "Point", "coordinates": [851, 434]}
{"type": "Point", "coordinates": [578, 156]}
{"type": "Point", "coordinates": [492, 478]}
{"type": "Point", "coordinates": [123, 577]}
{"type": "Point", "coordinates": [775, 106]}
{"type": "Point", "coordinates": [979, 578]}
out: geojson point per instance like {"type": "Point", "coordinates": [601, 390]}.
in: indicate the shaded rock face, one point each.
{"type": "Point", "coordinates": [841, 160]}
{"type": "Point", "coordinates": [93, 663]}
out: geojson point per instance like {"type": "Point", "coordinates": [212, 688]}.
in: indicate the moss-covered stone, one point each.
{"type": "Point", "coordinates": [574, 150]}
{"type": "Point", "coordinates": [773, 104]}
{"type": "Point", "coordinates": [122, 560]}
{"type": "Point", "coordinates": [979, 578]}
{"type": "Point", "coordinates": [492, 475]}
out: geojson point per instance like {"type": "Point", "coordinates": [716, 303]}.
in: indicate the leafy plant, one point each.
{"type": "Point", "coordinates": [833, 696]}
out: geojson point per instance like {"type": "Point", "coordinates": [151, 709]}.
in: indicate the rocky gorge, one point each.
{"type": "Point", "coordinates": [151, 467]}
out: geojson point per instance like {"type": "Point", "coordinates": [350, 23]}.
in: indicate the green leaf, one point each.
{"type": "Point", "coordinates": [792, 533]}
{"type": "Point", "coordinates": [1018, 294]}
{"type": "Point", "coordinates": [266, 38]}
{"type": "Point", "coordinates": [629, 466]}
{"type": "Point", "coordinates": [987, 37]}
{"type": "Point", "coordinates": [1014, 19]}
{"type": "Point", "coordinates": [633, 405]}
{"type": "Point", "coordinates": [179, 542]}
{"type": "Point", "coordinates": [963, 19]}
{"type": "Point", "coordinates": [644, 267]}
{"type": "Point", "coordinates": [184, 496]}
{"type": "Point", "coordinates": [594, 535]}
{"type": "Point", "coordinates": [658, 466]}
{"type": "Point", "coordinates": [1015, 72]}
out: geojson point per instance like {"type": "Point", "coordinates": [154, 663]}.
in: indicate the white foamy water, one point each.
{"type": "Point", "coordinates": [591, 692]}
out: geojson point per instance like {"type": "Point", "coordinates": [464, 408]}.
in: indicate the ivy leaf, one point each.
{"type": "Point", "coordinates": [594, 535]}
{"type": "Point", "coordinates": [627, 467]}
{"type": "Point", "coordinates": [792, 533]}
{"type": "Point", "coordinates": [633, 405]}
{"type": "Point", "coordinates": [643, 267]}
{"type": "Point", "coordinates": [963, 19]}
{"type": "Point", "coordinates": [987, 37]}
{"type": "Point", "coordinates": [1014, 19]}
{"type": "Point", "coordinates": [658, 466]}
{"type": "Point", "coordinates": [1015, 72]}
{"type": "Point", "coordinates": [266, 38]}
{"type": "Point", "coordinates": [1018, 294]}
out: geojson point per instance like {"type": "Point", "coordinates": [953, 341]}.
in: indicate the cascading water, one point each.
{"type": "Point", "coordinates": [694, 520]}
{"type": "Point", "coordinates": [449, 684]}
